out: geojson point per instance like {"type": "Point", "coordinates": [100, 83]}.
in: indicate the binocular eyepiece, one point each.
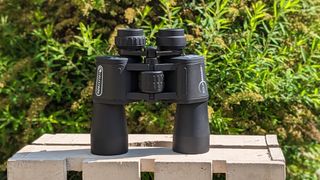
{"type": "Point", "coordinates": [167, 39]}
{"type": "Point", "coordinates": [161, 73]}
{"type": "Point", "coordinates": [130, 39]}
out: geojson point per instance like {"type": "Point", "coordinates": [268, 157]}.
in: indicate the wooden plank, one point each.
{"type": "Point", "coordinates": [74, 155]}
{"type": "Point", "coordinates": [150, 140]}
{"type": "Point", "coordinates": [240, 157]}
{"type": "Point", "coordinates": [171, 170]}
{"type": "Point", "coordinates": [71, 156]}
{"type": "Point", "coordinates": [255, 170]}
{"type": "Point", "coordinates": [271, 140]}
{"type": "Point", "coordinates": [276, 154]}
{"type": "Point", "coordinates": [246, 141]}
{"type": "Point", "coordinates": [147, 164]}
{"type": "Point", "coordinates": [63, 139]}
{"type": "Point", "coordinates": [219, 166]}
{"type": "Point", "coordinates": [156, 140]}
{"type": "Point", "coordinates": [111, 169]}
{"type": "Point", "coordinates": [32, 170]}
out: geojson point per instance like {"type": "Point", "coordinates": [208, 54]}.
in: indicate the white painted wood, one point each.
{"type": "Point", "coordinates": [170, 170]}
{"type": "Point", "coordinates": [276, 154]}
{"type": "Point", "coordinates": [255, 170]}
{"type": "Point", "coordinates": [162, 140]}
{"type": "Point", "coordinates": [25, 165]}
{"type": "Point", "coordinates": [33, 170]}
{"type": "Point", "coordinates": [271, 140]}
{"type": "Point", "coordinates": [63, 139]}
{"type": "Point", "coordinates": [70, 156]}
{"type": "Point", "coordinates": [74, 155]}
{"type": "Point", "coordinates": [245, 141]}
{"type": "Point", "coordinates": [237, 156]}
{"type": "Point", "coordinates": [111, 169]}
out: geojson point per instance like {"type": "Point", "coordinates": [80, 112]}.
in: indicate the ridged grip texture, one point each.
{"type": "Point", "coordinates": [130, 41]}
{"type": "Point", "coordinates": [151, 81]}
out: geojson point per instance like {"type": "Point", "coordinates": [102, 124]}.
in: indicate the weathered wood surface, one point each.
{"type": "Point", "coordinates": [239, 156]}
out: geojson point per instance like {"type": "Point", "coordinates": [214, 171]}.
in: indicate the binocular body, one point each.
{"type": "Point", "coordinates": [150, 74]}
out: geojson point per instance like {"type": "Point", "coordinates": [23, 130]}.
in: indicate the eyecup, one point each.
{"type": "Point", "coordinates": [130, 39]}
{"type": "Point", "coordinates": [171, 39]}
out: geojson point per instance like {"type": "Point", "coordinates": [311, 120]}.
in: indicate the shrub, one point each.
{"type": "Point", "coordinates": [262, 62]}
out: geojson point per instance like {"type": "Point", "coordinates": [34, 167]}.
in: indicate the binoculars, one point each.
{"type": "Point", "coordinates": [161, 73]}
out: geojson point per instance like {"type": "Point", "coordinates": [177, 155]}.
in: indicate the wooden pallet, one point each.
{"type": "Point", "coordinates": [240, 157]}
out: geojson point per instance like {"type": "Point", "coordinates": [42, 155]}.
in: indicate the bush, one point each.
{"type": "Point", "coordinates": [262, 62]}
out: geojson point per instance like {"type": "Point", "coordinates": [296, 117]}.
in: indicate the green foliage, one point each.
{"type": "Point", "coordinates": [262, 62]}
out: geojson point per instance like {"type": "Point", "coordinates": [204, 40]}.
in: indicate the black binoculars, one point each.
{"type": "Point", "coordinates": [161, 73]}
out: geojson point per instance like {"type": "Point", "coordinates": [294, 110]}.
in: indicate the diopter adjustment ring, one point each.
{"type": "Point", "coordinates": [136, 42]}
{"type": "Point", "coordinates": [131, 39]}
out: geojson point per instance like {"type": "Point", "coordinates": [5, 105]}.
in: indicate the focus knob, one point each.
{"type": "Point", "coordinates": [151, 81]}
{"type": "Point", "coordinates": [130, 39]}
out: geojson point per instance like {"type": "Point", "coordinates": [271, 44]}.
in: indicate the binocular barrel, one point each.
{"type": "Point", "coordinates": [109, 134]}
{"type": "Point", "coordinates": [191, 128]}
{"type": "Point", "coordinates": [150, 74]}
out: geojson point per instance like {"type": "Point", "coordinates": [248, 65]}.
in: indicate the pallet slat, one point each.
{"type": "Point", "coordinates": [163, 140]}
{"type": "Point", "coordinates": [111, 169]}
{"type": "Point", "coordinates": [255, 170]}
{"type": "Point", "coordinates": [170, 170]}
{"type": "Point", "coordinates": [237, 156]}
{"type": "Point", "coordinates": [33, 170]}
